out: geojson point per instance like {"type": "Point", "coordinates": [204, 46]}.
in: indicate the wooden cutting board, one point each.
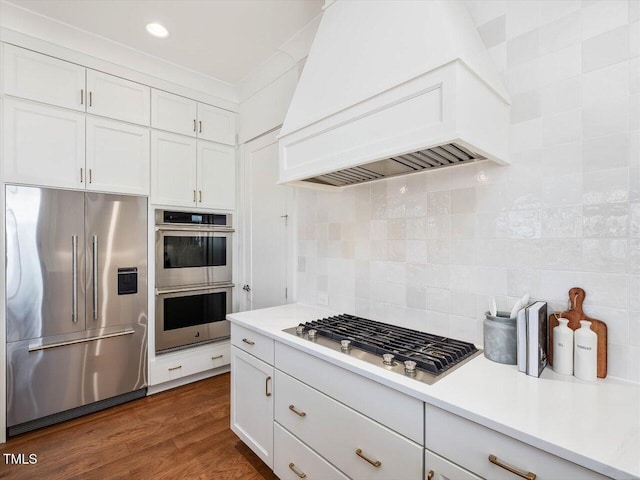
{"type": "Point", "coordinates": [574, 315]}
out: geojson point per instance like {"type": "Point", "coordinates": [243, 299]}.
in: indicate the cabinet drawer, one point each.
{"type": "Point", "coordinates": [252, 342]}
{"type": "Point", "coordinates": [343, 436]}
{"type": "Point", "coordinates": [188, 362]}
{"type": "Point", "coordinates": [291, 456]}
{"type": "Point", "coordinates": [468, 444]}
{"type": "Point", "coordinates": [405, 417]}
{"type": "Point", "coordinates": [442, 469]}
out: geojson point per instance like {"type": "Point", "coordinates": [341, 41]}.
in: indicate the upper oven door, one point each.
{"type": "Point", "coordinates": [192, 256]}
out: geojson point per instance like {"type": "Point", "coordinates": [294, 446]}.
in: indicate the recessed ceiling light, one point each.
{"type": "Point", "coordinates": [157, 30]}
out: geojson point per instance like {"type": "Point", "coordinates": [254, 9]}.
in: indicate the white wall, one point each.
{"type": "Point", "coordinates": [266, 93]}
{"type": "Point", "coordinates": [430, 250]}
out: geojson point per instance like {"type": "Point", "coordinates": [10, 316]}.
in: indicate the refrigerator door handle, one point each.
{"type": "Point", "coordinates": [74, 277]}
{"type": "Point", "coordinates": [95, 276]}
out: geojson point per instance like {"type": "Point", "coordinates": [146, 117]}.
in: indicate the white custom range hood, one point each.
{"type": "Point", "coordinates": [393, 87]}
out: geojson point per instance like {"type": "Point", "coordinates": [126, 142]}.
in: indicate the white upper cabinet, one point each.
{"type": "Point", "coordinates": [187, 172]}
{"type": "Point", "coordinates": [45, 79]}
{"type": "Point", "coordinates": [43, 145]}
{"type": "Point", "coordinates": [173, 113]}
{"type": "Point", "coordinates": [173, 169]}
{"type": "Point", "coordinates": [216, 124]}
{"type": "Point", "coordinates": [115, 97]}
{"type": "Point", "coordinates": [216, 176]}
{"type": "Point", "coordinates": [117, 157]}
{"type": "Point", "coordinates": [185, 116]}
{"type": "Point", "coordinates": [42, 78]}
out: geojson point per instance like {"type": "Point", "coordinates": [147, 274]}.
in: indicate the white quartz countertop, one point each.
{"type": "Point", "coordinates": [596, 425]}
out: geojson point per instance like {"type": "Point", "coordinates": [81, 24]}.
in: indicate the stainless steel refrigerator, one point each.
{"type": "Point", "coordinates": [76, 290]}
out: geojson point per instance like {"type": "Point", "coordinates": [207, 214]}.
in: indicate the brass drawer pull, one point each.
{"type": "Point", "coordinates": [248, 342]}
{"type": "Point", "coordinates": [296, 471]}
{"type": "Point", "coordinates": [175, 368]}
{"type": "Point", "coordinates": [266, 387]}
{"type": "Point", "coordinates": [217, 357]}
{"type": "Point", "coordinates": [528, 475]}
{"type": "Point", "coordinates": [430, 475]}
{"type": "Point", "coordinates": [296, 411]}
{"type": "Point", "coordinates": [375, 463]}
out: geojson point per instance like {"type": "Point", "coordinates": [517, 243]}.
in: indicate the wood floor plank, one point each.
{"type": "Point", "coordinates": [179, 434]}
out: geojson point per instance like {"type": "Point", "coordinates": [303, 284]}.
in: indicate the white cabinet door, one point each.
{"type": "Point", "coordinates": [117, 157]}
{"type": "Point", "coordinates": [437, 468]}
{"type": "Point", "coordinates": [118, 98]}
{"type": "Point", "coordinates": [216, 176]}
{"type": "Point", "coordinates": [252, 403]}
{"type": "Point", "coordinates": [216, 124]}
{"type": "Point", "coordinates": [42, 78]}
{"type": "Point", "coordinates": [43, 145]}
{"type": "Point", "coordinates": [173, 170]}
{"type": "Point", "coordinates": [173, 113]}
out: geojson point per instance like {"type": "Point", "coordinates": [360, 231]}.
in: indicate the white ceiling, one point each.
{"type": "Point", "coordinates": [224, 39]}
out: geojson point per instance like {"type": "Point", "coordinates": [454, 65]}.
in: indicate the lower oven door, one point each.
{"type": "Point", "coordinates": [188, 316]}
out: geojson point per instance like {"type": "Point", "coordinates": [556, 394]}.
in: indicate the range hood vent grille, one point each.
{"type": "Point", "coordinates": [427, 159]}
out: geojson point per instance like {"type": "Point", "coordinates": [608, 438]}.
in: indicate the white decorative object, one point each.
{"type": "Point", "coordinates": [563, 348]}
{"type": "Point", "coordinates": [585, 352]}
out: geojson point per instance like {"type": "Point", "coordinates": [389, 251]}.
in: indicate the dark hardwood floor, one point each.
{"type": "Point", "coordinates": [178, 434]}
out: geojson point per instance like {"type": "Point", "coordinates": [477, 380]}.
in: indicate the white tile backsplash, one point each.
{"type": "Point", "coordinates": [430, 250]}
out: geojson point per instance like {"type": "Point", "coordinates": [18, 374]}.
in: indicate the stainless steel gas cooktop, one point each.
{"type": "Point", "coordinates": [419, 355]}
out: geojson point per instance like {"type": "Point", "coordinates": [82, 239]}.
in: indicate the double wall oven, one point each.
{"type": "Point", "coordinates": [193, 278]}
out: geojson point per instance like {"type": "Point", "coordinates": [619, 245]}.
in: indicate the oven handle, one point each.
{"type": "Point", "coordinates": [189, 228]}
{"type": "Point", "coordinates": [199, 288]}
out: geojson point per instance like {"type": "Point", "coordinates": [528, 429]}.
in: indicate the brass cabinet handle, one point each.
{"type": "Point", "coordinates": [375, 463]}
{"type": "Point", "coordinates": [82, 96]}
{"type": "Point", "coordinates": [81, 180]}
{"type": "Point", "coordinates": [248, 342]}
{"type": "Point", "coordinates": [430, 474]}
{"type": "Point", "coordinates": [200, 195]}
{"type": "Point", "coordinates": [175, 368]}
{"type": "Point", "coordinates": [194, 124]}
{"type": "Point", "coordinates": [217, 357]}
{"type": "Point", "coordinates": [91, 99]}
{"type": "Point", "coordinates": [200, 125]}
{"type": "Point", "coordinates": [194, 195]}
{"type": "Point", "coordinates": [296, 411]}
{"type": "Point", "coordinates": [296, 471]}
{"type": "Point", "coordinates": [528, 475]}
{"type": "Point", "coordinates": [90, 176]}
{"type": "Point", "coordinates": [266, 387]}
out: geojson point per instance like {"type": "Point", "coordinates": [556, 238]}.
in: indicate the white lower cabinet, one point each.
{"type": "Point", "coordinates": [252, 393]}
{"type": "Point", "coordinates": [490, 454]}
{"type": "Point", "coordinates": [294, 460]}
{"type": "Point", "coordinates": [355, 444]}
{"type": "Point", "coordinates": [438, 468]}
{"type": "Point", "coordinates": [182, 363]}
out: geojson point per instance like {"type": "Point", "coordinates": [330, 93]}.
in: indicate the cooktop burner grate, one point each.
{"type": "Point", "coordinates": [432, 354]}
